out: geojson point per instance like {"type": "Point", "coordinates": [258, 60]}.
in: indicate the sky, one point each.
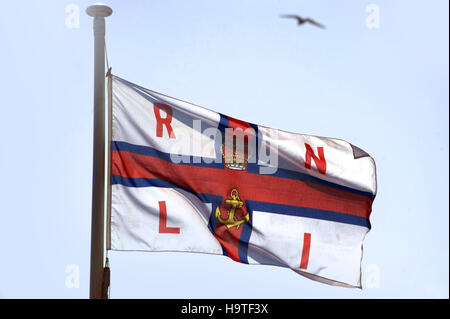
{"type": "Point", "coordinates": [377, 77]}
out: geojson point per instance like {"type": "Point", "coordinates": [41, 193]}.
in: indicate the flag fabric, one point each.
{"type": "Point", "coordinates": [185, 178]}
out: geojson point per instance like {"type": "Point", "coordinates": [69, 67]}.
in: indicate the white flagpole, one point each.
{"type": "Point", "coordinates": [98, 12]}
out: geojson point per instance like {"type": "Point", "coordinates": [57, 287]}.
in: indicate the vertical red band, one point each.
{"type": "Point", "coordinates": [160, 122]}
{"type": "Point", "coordinates": [229, 238]}
{"type": "Point", "coordinates": [163, 229]}
{"type": "Point", "coordinates": [320, 161]}
{"type": "Point", "coordinates": [305, 252]}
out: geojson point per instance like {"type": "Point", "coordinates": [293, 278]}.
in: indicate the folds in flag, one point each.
{"type": "Point", "coordinates": [185, 178]}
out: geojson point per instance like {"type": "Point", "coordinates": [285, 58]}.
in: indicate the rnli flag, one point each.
{"type": "Point", "coordinates": [185, 178]}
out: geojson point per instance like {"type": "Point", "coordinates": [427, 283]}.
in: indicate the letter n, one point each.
{"type": "Point", "coordinates": [160, 122]}
{"type": "Point", "coordinates": [163, 229]}
{"type": "Point", "coordinates": [321, 164]}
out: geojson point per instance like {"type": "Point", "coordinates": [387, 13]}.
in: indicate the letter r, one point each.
{"type": "Point", "coordinates": [160, 122]}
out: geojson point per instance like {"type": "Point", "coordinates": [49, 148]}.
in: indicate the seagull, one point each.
{"type": "Point", "coordinates": [301, 20]}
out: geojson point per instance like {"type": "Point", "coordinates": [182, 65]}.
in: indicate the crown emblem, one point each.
{"type": "Point", "coordinates": [234, 160]}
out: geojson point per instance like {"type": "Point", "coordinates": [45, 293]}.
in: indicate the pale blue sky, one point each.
{"type": "Point", "coordinates": [383, 89]}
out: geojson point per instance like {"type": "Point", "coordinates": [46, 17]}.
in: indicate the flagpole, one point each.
{"type": "Point", "coordinates": [98, 11]}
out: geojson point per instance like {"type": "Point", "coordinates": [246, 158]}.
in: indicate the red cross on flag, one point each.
{"type": "Point", "coordinates": [185, 178]}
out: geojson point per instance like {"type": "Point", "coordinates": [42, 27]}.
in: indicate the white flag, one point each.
{"type": "Point", "coordinates": [185, 178]}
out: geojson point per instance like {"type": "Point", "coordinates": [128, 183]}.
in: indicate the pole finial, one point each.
{"type": "Point", "coordinates": [99, 10]}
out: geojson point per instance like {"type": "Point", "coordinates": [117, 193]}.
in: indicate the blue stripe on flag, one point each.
{"type": "Point", "coordinates": [245, 238]}
{"type": "Point", "coordinates": [149, 151]}
{"type": "Point", "coordinates": [251, 206]}
{"type": "Point", "coordinates": [251, 168]}
{"type": "Point", "coordinates": [308, 213]}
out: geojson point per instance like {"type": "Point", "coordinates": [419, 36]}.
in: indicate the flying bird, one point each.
{"type": "Point", "coordinates": [301, 20]}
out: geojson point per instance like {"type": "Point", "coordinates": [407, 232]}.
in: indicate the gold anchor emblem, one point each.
{"type": "Point", "coordinates": [235, 203]}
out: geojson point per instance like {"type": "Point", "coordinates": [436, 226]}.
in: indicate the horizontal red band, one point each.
{"type": "Point", "coordinates": [263, 188]}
